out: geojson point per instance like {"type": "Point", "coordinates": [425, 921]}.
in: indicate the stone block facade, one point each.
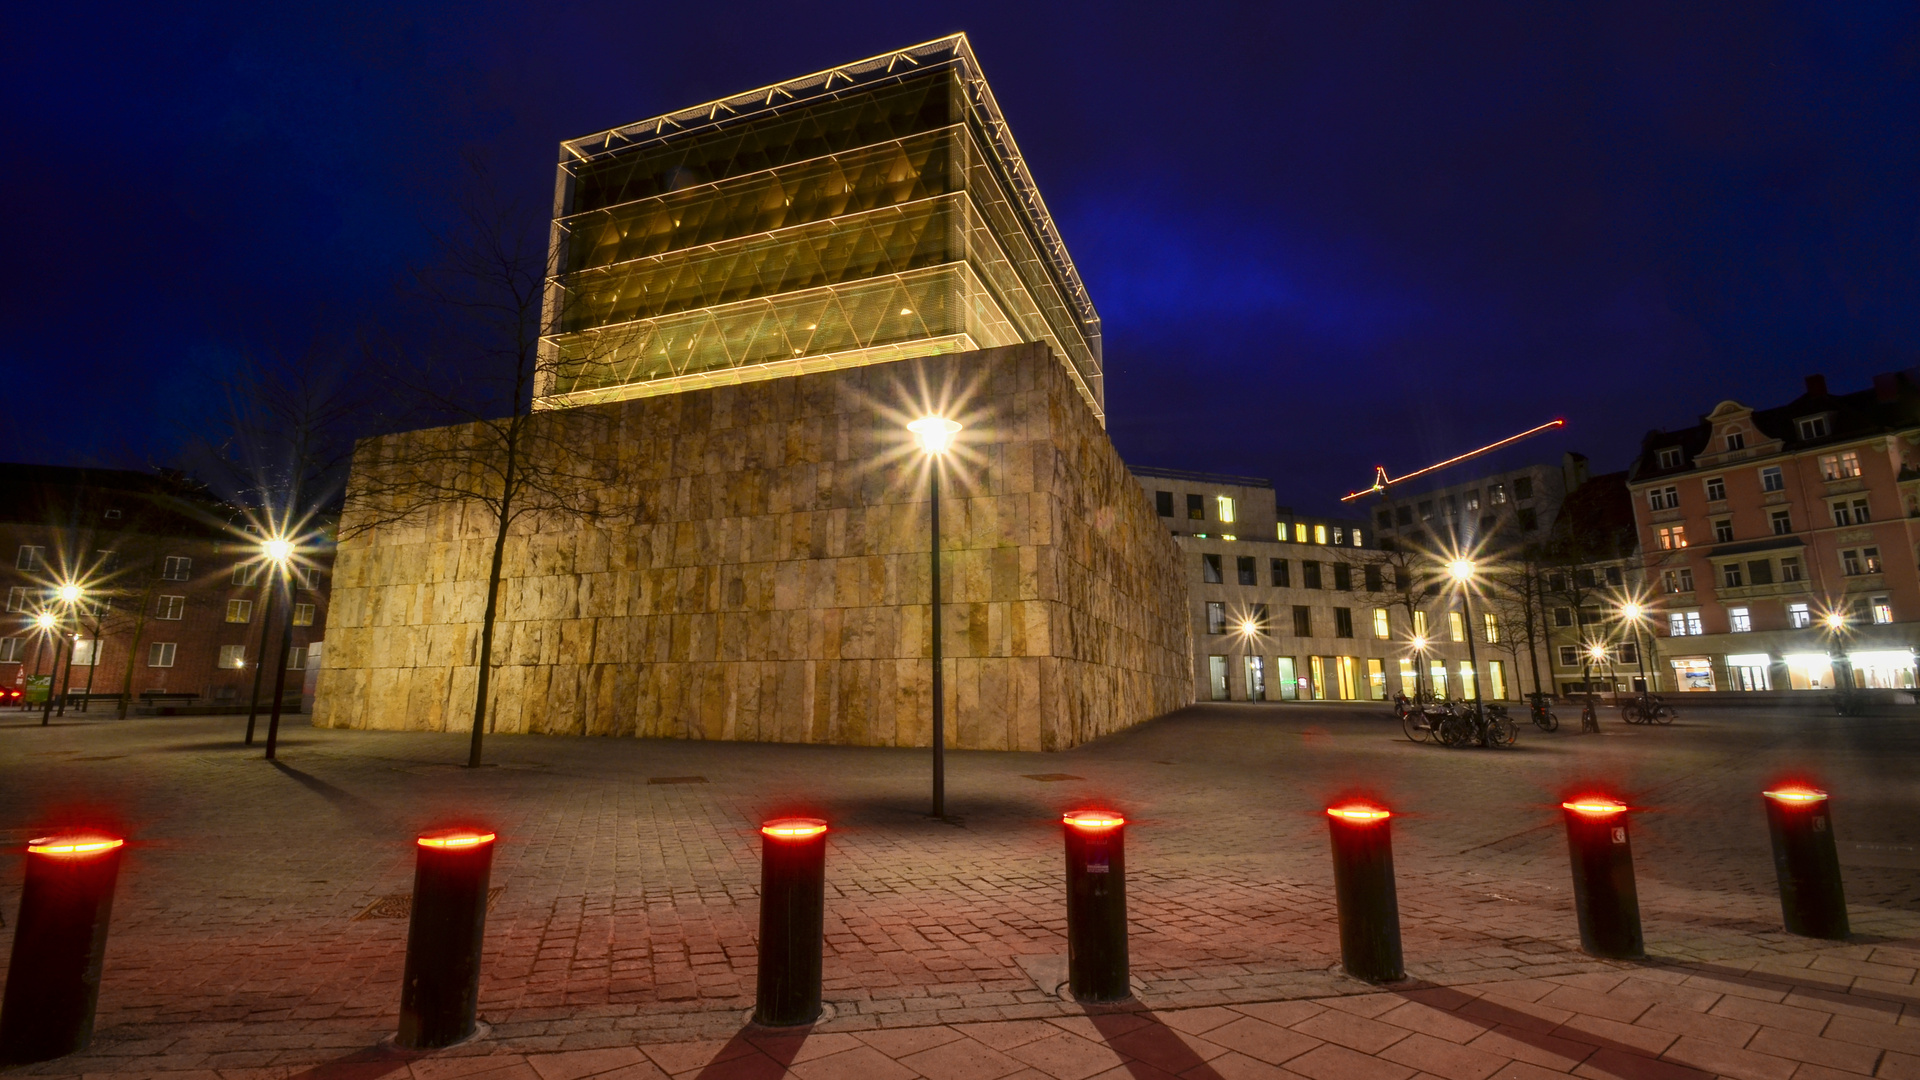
{"type": "Point", "coordinates": [771, 583]}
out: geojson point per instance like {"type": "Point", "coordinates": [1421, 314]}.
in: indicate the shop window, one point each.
{"type": "Point", "coordinates": [1716, 489]}
{"type": "Point", "coordinates": [1739, 620]}
{"type": "Point", "coordinates": [1217, 677]}
{"type": "Point", "coordinates": [1377, 680]}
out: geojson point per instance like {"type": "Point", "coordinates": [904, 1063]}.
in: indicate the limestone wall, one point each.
{"type": "Point", "coordinates": [773, 581]}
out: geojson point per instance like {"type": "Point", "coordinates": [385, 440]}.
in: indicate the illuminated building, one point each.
{"type": "Point", "coordinates": [1757, 525]}
{"type": "Point", "coordinates": [875, 211]}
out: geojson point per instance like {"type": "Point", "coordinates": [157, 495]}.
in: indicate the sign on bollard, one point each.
{"type": "Point", "coordinates": [59, 946]}
{"type": "Point", "coordinates": [1097, 964]}
{"type": "Point", "coordinates": [1364, 889]}
{"type": "Point", "coordinates": [1813, 902]}
{"type": "Point", "coordinates": [1604, 896]}
{"type": "Point", "coordinates": [440, 990]}
{"type": "Point", "coordinates": [793, 901]}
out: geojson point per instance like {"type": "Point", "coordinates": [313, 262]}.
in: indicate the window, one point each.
{"type": "Point", "coordinates": [86, 652]}
{"type": "Point", "coordinates": [1627, 652]}
{"type": "Point", "coordinates": [1671, 537]}
{"type": "Point", "coordinates": [1299, 533]}
{"type": "Point", "coordinates": [1782, 521]}
{"type": "Point", "coordinates": [169, 607]}
{"type": "Point", "coordinates": [1841, 514]}
{"type": "Point", "coordinates": [1860, 515]}
{"type": "Point", "coordinates": [1450, 506]}
{"type": "Point", "coordinates": [1812, 427]}
{"type": "Point", "coordinates": [1216, 617]}
{"type": "Point", "coordinates": [1799, 616]}
{"type": "Point", "coordinates": [1342, 622]}
{"type": "Point", "coordinates": [1882, 609]}
{"type": "Point", "coordinates": [303, 614]}
{"type": "Point", "coordinates": [1383, 519]}
{"type": "Point", "coordinates": [233, 656]}
{"type": "Point", "coordinates": [1375, 580]}
{"type": "Point", "coordinates": [246, 573]}
{"type": "Point", "coordinates": [17, 598]}
{"type": "Point", "coordinates": [1426, 509]}
{"type": "Point", "coordinates": [1496, 494]}
{"type": "Point", "coordinates": [1556, 582]}
{"type": "Point", "coordinates": [1717, 489]}
{"type": "Point", "coordinates": [1731, 577]}
{"type": "Point", "coordinates": [1666, 498]}
{"type": "Point", "coordinates": [1772, 479]}
{"type": "Point", "coordinates": [1493, 627]}
{"type": "Point", "coordinates": [1562, 616]}
{"type": "Point", "coordinates": [1403, 515]}
{"type": "Point", "coordinates": [1420, 624]}
{"type": "Point", "coordinates": [1760, 572]}
{"type": "Point", "coordinates": [1217, 677]}
{"type": "Point", "coordinates": [111, 513]}
{"type": "Point", "coordinates": [1523, 487]}
{"type": "Point", "coordinates": [1196, 508]}
{"type": "Point", "coordinates": [160, 654]}
{"type": "Point", "coordinates": [11, 649]}
{"type": "Point", "coordinates": [1224, 503]}
{"type": "Point", "coordinates": [1339, 535]}
{"type": "Point", "coordinates": [1871, 557]}
{"type": "Point", "coordinates": [1319, 534]}
{"type": "Point", "coordinates": [1210, 570]}
{"type": "Point", "coordinates": [176, 568]}
{"type": "Point", "coordinates": [1722, 530]}
{"type": "Point", "coordinates": [1585, 577]}
{"type": "Point", "coordinates": [1456, 626]}
{"type": "Point", "coordinates": [297, 658]}
{"type": "Point", "coordinates": [1685, 624]}
{"type": "Point", "coordinates": [1343, 577]}
{"type": "Point", "coordinates": [1310, 573]}
{"type": "Point", "coordinates": [1247, 570]}
{"type": "Point", "coordinates": [1382, 626]}
{"type": "Point", "coordinates": [239, 611]}
{"type": "Point", "coordinates": [1670, 457]}
{"type": "Point", "coordinates": [1611, 575]}
{"type": "Point", "coordinates": [1277, 570]}
{"type": "Point", "coordinates": [1857, 561]}
{"type": "Point", "coordinates": [1680, 580]}
{"type": "Point", "coordinates": [1302, 620]}
{"type": "Point", "coordinates": [1163, 502]}
{"type": "Point", "coordinates": [1739, 620]}
{"type": "Point", "coordinates": [1528, 517]}
{"type": "Point", "coordinates": [1842, 466]}
{"type": "Point", "coordinates": [1473, 502]}
{"type": "Point", "coordinates": [1736, 441]}
{"type": "Point", "coordinates": [30, 557]}
{"type": "Point", "coordinates": [1790, 568]}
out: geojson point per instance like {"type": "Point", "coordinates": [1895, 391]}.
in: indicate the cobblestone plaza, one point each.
{"type": "Point", "coordinates": [253, 937]}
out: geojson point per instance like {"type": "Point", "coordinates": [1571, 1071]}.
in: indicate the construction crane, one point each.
{"type": "Point", "coordinates": [1381, 481]}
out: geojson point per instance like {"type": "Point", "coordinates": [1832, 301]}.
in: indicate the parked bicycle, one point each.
{"type": "Point", "coordinates": [1474, 724]}
{"type": "Point", "coordinates": [1646, 709]}
{"type": "Point", "coordinates": [1542, 716]}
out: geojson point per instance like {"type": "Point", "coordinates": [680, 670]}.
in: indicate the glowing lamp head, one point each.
{"type": "Point", "coordinates": [1598, 652]}
{"type": "Point", "coordinates": [1419, 642]}
{"type": "Point", "coordinates": [1359, 813]}
{"type": "Point", "coordinates": [77, 846]}
{"type": "Point", "coordinates": [1631, 610]}
{"type": "Point", "coordinates": [1596, 806]}
{"type": "Point", "coordinates": [454, 839]}
{"type": "Point", "coordinates": [934, 432]}
{"type": "Point", "coordinates": [279, 549]}
{"type": "Point", "coordinates": [44, 620]}
{"type": "Point", "coordinates": [1093, 820]}
{"type": "Point", "coordinates": [1796, 796]}
{"type": "Point", "coordinates": [70, 594]}
{"type": "Point", "coordinates": [1249, 627]}
{"type": "Point", "coordinates": [1835, 621]}
{"type": "Point", "coordinates": [794, 828]}
{"type": "Point", "coordinates": [1460, 569]}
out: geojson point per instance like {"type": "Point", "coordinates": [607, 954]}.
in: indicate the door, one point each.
{"type": "Point", "coordinates": [1217, 677]}
{"type": "Point", "coordinates": [1283, 674]}
{"type": "Point", "coordinates": [1256, 678]}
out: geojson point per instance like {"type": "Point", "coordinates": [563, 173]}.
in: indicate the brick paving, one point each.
{"type": "Point", "coordinates": [622, 943]}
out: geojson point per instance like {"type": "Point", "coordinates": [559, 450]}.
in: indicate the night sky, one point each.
{"type": "Point", "coordinates": [1320, 235]}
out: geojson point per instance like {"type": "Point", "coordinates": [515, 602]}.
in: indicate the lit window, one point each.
{"type": "Point", "coordinates": [1739, 620]}
{"type": "Point", "coordinates": [1672, 536]}
{"type": "Point", "coordinates": [1339, 535]}
{"type": "Point", "coordinates": [86, 653]}
{"type": "Point", "coordinates": [160, 653]}
{"type": "Point", "coordinates": [1496, 494]}
{"type": "Point", "coordinates": [303, 614]}
{"type": "Point", "coordinates": [1356, 537]}
{"type": "Point", "coordinates": [1299, 533]}
{"type": "Point", "coordinates": [1799, 616]}
{"type": "Point", "coordinates": [1717, 489]}
{"type": "Point", "coordinates": [1456, 626]}
{"type": "Point", "coordinates": [1871, 556]}
{"type": "Point", "coordinates": [233, 656]}
{"type": "Point", "coordinates": [1684, 624]}
{"type": "Point", "coordinates": [1849, 463]}
{"type": "Point", "coordinates": [1681, 580]}
{"type": "Point", "coordinates": [1473, 502]}
{"type": "Point", "coordinates": [1224, 503]}
{"type": "Point", "coordinates": [1319, 534]}
{"type": "Point", "coordinates": [239, 611]}
{"type": "Point", "coordinates": [1882, 610]}
{"type": "Point", "coordinates": [1841, 466]}
{"type": "Point", "coordinates": [1216, 617]}
{"type": "Point", "coordinates": [1493, 628]}
{"type": "Point", "coordinates": [1381, 628]}
{"type": "Point", "coordinates": [1420, 624]}
{"type": "Point", "coordinates": [1772, 479]}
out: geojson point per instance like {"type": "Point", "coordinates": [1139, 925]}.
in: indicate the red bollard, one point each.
{"type": "Point", "coordinates": [440, 990]}
{"type": "Point", "coordinates": [1604, 897]}
{"type": "Point", "coordinates": [1364, 889]}
{"type": "Point", "coordinates": [59, 945]}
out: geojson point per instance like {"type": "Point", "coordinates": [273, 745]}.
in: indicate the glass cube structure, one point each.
{"type": "Point", "coordinates": [876, 211]}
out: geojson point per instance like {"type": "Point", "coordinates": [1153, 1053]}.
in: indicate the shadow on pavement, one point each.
{"type": "Point", "coordinates": [368, 1064]}
{"type": "Point", "coordinates": [1150, 1049]}
{"type": "Point", "coordinates": [342, 800]}
{"type": "Point", "coordinates": [756, 1053]}
{"type": "Point", "coordinates": [1550, 1043]}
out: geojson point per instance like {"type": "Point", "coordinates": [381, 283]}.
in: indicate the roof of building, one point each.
{"type": "Point", "coordinates": [1891, 404]}
{"type": "Point", "coordinates": [165, 502]}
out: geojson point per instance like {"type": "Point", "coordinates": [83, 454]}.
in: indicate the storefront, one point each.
{"type": "Point", "coordinates": [1693, 673]}
{"type": "Point", "coordinates": [1889, 670]}
{"type": "Point", "coordinates": [1809, 671]}
{"type": "Point", "coordinates": [1750, 671]}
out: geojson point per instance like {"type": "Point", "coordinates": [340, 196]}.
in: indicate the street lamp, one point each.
{"type": "Point", "coordinates": [1461, 570]}
{"type": "Point", "coordinates": [1635, 614]}
{"type": "Point", "coordinates": [279, 554]}
{"type": "Point", "coordinates": [935, 435]}
{"type": "Point", "coordinates": [1419, 643]}
{"type": "Point", "coordinates": [68, 595]}
{"type": "Point", "coordinates": [1835, 624]}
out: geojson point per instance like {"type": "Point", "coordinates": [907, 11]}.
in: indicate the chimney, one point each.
{"type": "Point", "coordinates": [1886, 387]}
{"type": "Point", "coordinates": [1816, 386]}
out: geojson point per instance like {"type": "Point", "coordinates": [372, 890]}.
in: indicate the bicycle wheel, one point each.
{"type": "Point", "coordinates": [1663, 714]}
{"type": "Point", "coordinates": [1415, 726]}
{"type": "Point", "coordinates": [1630, 712]}
{"type": "Point", "coordinates": [1456, 732]}
{"type": "Point", "coordinates": [1547, 721]}
{"type": "Point", "coordinates": [1502, 732]}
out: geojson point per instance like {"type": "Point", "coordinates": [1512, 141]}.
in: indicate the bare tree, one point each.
{"type": "Point", "coordinates": [1396, 575]}
{"type": "Point", "coordinates": [501, 462]}
{"type": "Point", "coordinates": [1513, 597]}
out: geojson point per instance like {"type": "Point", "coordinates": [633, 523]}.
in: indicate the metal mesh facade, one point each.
{"type": "Point", "coordinates": [868, 213]}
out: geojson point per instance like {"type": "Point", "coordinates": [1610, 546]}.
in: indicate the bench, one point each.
{"type": "Point", "coordinates": [156, 697]}
{"type": "Point", "coordinates": [81, 698]}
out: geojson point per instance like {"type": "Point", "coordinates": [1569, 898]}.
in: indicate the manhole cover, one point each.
{"type": "Point", "coordinates": [1051, 777]}
{"type": "Point", "coordinates": [676, 779]}
{"type": "Point", "coordinates": [400, 906]}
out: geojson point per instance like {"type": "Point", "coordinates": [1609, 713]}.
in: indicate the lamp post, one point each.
{"type": "Point", "coordinates": [1419, 644]}
{"type": "Point", "coordinates": [1461, 570]}
{"type": "Point", "coordinates": [1835, 625]}
{"type": "Point", "coordinates": [70, 597]}
{"type": "Point", "coordinates": [935, 434]}
{"type": "Point", "coordinates": [1634, 614]}
{"type": "Point", "coordinates": [279, 553]}
{"type": "Point", "coordinates": [48, 627]}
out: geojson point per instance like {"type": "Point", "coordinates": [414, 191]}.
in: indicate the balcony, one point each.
{"type": "Point", "coordinates": [1865, 583]}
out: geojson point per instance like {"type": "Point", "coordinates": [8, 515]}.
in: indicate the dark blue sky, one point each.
{"type": "Point", "coordinates": [1320, 235]}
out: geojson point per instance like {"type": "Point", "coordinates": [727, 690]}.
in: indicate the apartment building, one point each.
{"type": "Point", "coordinates": [1781, 541]}
{"type": "Point", "coordinates": [1594, 596]}
{"type": "Point", "coordinates": [1294, 607]}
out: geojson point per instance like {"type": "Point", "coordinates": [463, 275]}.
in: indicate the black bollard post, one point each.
{"type": "Point", "coordinates": [59, 944]}
{"type": "Point", "coordinates": [440, 991]}
{"type": "Point", "coordinates": [1097, 967]}
{"type": "Point", "coordinates": [1812, 900]}
{"type": "Point", "coordinates": [793, 901]}
{"type": "Point", "coordinates": [1363, 887]}
{"type": "Point", "coordinates": [1604, 896]}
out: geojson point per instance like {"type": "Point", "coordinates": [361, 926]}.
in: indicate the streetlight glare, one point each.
{"type": "Point", "coordinates": [70, 594]}
{"type": "Point", "coordinates": [934, 432]}
{"type": "Point", "coordinates": [44, 620]}
{"type": "Point", "coordinates": [1248, 626]}
{"type": "Point", "coordinates": [1598, 652]}
{"type": "Point", "coordinates": [1461, 569]}
{"type": "Point", "coordinates": [1419, 642]}
{"type": "Point", "coordinates": [1631, 610]}
{"type": "Point", "coordinates": [278, 549]}
{"type": "Point", "coordinates": [1836, 621]}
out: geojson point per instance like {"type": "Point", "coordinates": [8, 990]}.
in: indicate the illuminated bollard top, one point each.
{"type": "Point", "coordinates": [1595, 807]}
{"type": "Point", "coordinates": [1359, 813]}
{"type": "Point", "coordinates": [73, 847]}
{"type": "Point", "coordinates": [1093, 820]}
{"type": "Point", "coordinates": [453, 839]}
{"type": "Point", "coordinates": [1796, 796]}
{"type": "Point", "coordinates": [797, 828]}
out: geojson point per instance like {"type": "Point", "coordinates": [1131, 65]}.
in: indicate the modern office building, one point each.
{"type": "Point", "coordinates": [870, 212]}
{"type": "Point", "coordinates": [1511, 506]}
{"type": "Point", "coordinates": [1782, 540]}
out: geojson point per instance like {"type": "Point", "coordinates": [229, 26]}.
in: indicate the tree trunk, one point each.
{"type": "Point", "coordinates": [503, 521]}
{"type": "Point", "coordinates": [1533, 636]}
